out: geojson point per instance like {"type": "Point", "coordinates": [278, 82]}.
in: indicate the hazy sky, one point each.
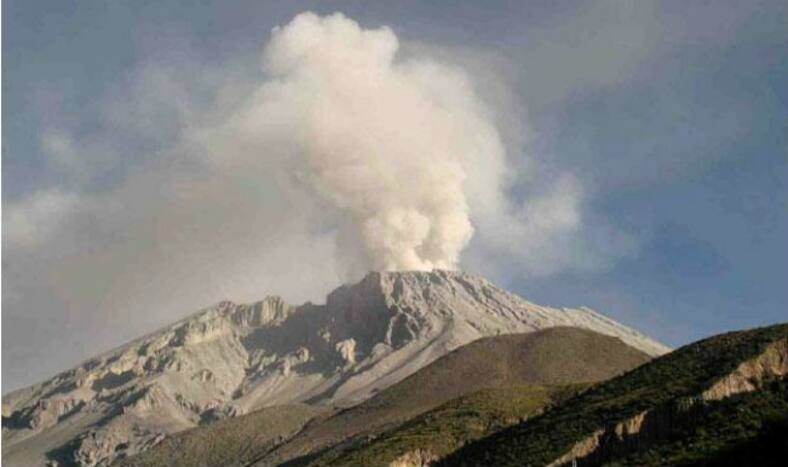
{"type": "Point", "coordinates": [627, 156]}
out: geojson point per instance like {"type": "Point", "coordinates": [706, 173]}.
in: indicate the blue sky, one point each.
{"type": "Point", "coordinates": [671, 115]}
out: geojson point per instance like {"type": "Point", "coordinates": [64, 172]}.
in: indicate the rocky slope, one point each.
{"type": "Point", "coordinates": [553, 356]}
{"type": "Point", "coordinates": [231, 359]}
{"type": "Point", "coordinates": [690, 406]}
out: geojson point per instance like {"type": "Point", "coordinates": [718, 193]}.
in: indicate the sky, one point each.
{"type": "Point", "coordinates": [627, 156]}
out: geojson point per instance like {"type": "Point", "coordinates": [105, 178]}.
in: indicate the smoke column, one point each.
{"type": "Point", "coordinates": [397, 146]}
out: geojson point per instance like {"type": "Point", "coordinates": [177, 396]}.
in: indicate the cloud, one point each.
{"type": "Point", "coordinates": [33, 220]}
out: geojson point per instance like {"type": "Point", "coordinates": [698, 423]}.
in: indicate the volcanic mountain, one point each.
{"type": "Point", "coordinates": [231, 359]}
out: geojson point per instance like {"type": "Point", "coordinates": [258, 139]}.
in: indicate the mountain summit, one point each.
{"type": "Point", "coordinates": [230, 359]}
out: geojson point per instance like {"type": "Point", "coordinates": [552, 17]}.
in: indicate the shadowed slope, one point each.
{"type": "Point", "coordinates": [232, 441]}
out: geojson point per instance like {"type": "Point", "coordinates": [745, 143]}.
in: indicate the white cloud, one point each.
{"type": "Point", "coordinates": [34, 219]}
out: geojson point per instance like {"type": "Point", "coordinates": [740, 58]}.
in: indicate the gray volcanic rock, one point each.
{"type": "Point", "coordinates": [231, 359]}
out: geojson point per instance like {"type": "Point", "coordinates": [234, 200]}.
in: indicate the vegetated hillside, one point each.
{"type": "Point", "coordinates": [231, 441]}
{"type": "Point", "coordinates": [696, 404]}
{"type": "Point", "coordinates": [553, 356]}
{"type": "Point", "coordinates": [229, 359]}
{"type": "Point", "coordinates": [440, 431]}
{"type": "Point", "coordinates": [749, 428]}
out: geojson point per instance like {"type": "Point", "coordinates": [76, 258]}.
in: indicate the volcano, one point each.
{"type": "Point", "coordinates": [230, 359]}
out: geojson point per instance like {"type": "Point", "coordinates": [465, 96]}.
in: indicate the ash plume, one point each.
{"type": "Point", "coordinates": [387, 142]}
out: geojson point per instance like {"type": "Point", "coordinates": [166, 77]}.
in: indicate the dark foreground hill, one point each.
{"type": "Point", "coordinates": [720, 401]}
{"type": "Point", "coordinates": [553, 356]}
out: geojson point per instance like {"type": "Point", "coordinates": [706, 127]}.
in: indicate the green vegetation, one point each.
{"type": "Point", "coordinates": [736, 431]}
{"type": "Point", "coordinates": [444, 429]}
{"type": "Point", "coordinates": [232, 441]}
{"type": "Point", "coordinates": [661, 383]}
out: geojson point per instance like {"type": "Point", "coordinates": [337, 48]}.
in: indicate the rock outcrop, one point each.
{"type": "Point", "coordinates": [416, 458]}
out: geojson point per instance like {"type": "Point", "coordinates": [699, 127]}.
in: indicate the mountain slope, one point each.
{"type": "Point", "coordinates": [442, 430]}
{"type": "Point", "coordinates": [549, 357]}
{"type": "Point", "coordinates": [691, 405]}
{"type": "Point", "coordinates": [232, 441]}
{"type": "Point", "coordinates": [232, 359]}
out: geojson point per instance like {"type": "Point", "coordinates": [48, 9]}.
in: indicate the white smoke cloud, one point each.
{"type": "Point", "coordinates": [340, 156]}
{"type": "Point", "coordinates": [395, 158]}
{"type": "Point", "coordinates": [392, 144]}
{"type": "Point", "coordinates": [382, 162]}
